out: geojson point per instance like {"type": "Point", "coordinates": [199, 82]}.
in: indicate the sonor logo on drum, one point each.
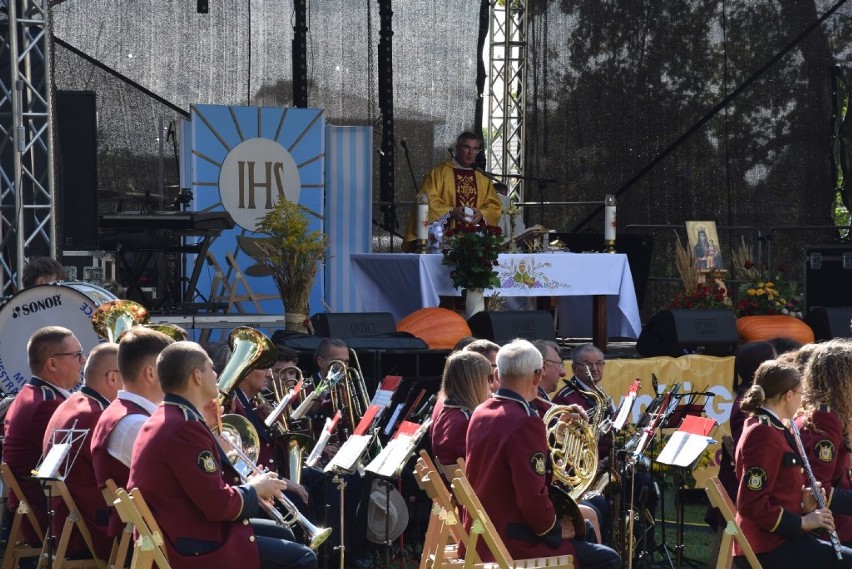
{"type": "Point", "coordinates": [37, 305]}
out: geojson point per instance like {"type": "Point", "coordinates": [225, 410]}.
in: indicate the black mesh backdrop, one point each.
{"type": "Point", "coordinates": [611, 85]}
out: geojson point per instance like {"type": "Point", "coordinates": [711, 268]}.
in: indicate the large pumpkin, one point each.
{"type": "Point", "coordinates": [438, 327]}
{"type": "Point", "coordinates": [756, 328]}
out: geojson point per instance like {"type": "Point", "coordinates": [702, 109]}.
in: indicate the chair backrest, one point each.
{"type": "Point", "coordinates": [481, 523]}
{"type": "Point", "coordinates": [13, 487]}
{"type": "Point", "coordinates": [149, 547]}
{"type": "Point", "coordinates": [15, 549]}
{"type": "Point", "coordinates": [73, 520]}
{"type": "Point", "coordinates": [430, 481]}
{"type": "Point", "coordinates": [122, 545]}
{"type": "Point", "coordinates": [719, 498]}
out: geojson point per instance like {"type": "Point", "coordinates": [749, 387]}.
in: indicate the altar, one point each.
{"type": "Point", "coordinates": [595, 291]}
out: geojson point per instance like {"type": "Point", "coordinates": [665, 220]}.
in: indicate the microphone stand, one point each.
{"type": "Point", "coordinates": [408, 161]}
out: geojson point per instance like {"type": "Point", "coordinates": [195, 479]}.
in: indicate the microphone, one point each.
{"type": "Point", "coordinates": [450, 150]}
{"type": "Point", "coordinates": [403, 144]}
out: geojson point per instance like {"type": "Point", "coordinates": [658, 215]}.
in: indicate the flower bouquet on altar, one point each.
{"type": "Point", "coordinates": [293, 254]}
{"type": "Point", "coordinates": [471, 251]}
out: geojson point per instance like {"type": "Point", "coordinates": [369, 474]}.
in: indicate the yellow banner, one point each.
{"type": "Point", "coordinates": [694, 373]}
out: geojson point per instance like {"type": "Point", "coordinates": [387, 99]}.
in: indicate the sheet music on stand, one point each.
{"type": "Point", "coordinates": [349, 455]}
{"type": "Point", "coordinates": [626, 406]}
{"type": "Point", "coordinates": [65, 447]}
{"type": "Point", "coordinates": [390, 462]}
{"type": "Point", "coordinates": [688, 442]}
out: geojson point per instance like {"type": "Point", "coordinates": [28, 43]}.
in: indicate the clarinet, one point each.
{"type": "Point", "coordinates": [835, 541]}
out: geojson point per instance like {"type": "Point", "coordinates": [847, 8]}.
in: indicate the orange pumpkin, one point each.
{"type": "Point", "coordinates": [438, 327]}
{"type": "Point", "coordinates": [765, 327]}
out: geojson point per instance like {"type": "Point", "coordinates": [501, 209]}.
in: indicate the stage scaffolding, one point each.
{"type": "Point", "coordinates": [507, 88]}
{"type": "Point", "coordinates": [27, 207]}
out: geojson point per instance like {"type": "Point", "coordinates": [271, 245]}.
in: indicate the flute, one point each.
{"type": "Point", "coordinates": [835, 541]}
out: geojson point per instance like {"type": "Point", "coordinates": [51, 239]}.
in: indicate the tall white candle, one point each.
{"type": "Point", "coordinates": [609, 217]}
{"type": "Point", "coordinates": [422, 216]}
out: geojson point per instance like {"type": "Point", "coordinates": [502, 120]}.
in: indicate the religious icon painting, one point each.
{"type": "Point", "coordinates": [704, 243]}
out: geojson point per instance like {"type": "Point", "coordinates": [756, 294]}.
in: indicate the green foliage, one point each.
{"type": "Point", "coordinates": [294, 253]}
{"type": "Point", "coordinates": [471, 252]}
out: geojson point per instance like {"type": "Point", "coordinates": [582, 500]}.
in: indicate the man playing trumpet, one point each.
{"type": "Point", "coordinates": [178, 467]}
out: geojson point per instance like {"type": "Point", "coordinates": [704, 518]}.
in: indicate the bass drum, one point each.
{"type": "Point", "coordinates": [69, 304]}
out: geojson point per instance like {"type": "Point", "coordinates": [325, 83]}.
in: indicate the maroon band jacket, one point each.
{"type": "Point", "coordinates": [178, 467]}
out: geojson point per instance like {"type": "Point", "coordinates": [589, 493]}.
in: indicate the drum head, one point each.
{"type": "Point", "coordinates": [68, 304]}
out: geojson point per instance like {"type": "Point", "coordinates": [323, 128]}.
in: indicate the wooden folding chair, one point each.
{"type": "Point", "coordinates": [72, 521]}
{"type": "Point", "coordinates": [121, 545]}
{"type": "Point", "coordinates": [15, 549]}
{"type": "Point", "coordinates": [444, 531]}
{"type": "Point", "coordinates": [719, 498]}
{"type": "Point", "coordinates": [149, 547]}
{"type": "Point", "coordinates": [484, 527]}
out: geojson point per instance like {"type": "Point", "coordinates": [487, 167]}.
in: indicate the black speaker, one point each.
{"type": "Point", "coordinates": [828, 323]}
{"type": "Point", "coordinates": [353, 324]}
{"type": "Point", "coordinates": [503, 327]}
{"type": "Point", "coordinates": [828, 275]}
{"type": "Point", "coordinates": [77, 182]}
{"type": "Point", "coordinates": [677, 332]}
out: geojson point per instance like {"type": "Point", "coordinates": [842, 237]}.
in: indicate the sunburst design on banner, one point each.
{"type": "Point", "coordinates": [218, 131]}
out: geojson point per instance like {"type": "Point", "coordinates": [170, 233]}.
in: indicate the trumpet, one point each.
{"type": "Point", "coordinates": [241, 443]}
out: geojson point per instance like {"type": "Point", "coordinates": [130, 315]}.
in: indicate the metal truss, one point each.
{"type": "Point", "coordinates": [506, 134]}
{"type": "Point", "coordinates": [27, 205]}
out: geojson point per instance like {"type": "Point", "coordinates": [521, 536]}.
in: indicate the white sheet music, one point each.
{"type": "Point", "coordinates": [392, 456]}
{"type": "Point", "coordinates": [350, 453]}
{"type": "Point", "coordinates": [683, 449]}
{"type": "Point", "coordinates": [626, 406]}
{"type": "Point", "coordinates": [49, 467]}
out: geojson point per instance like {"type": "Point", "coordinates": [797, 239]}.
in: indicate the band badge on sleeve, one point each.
{"type": "Point", "coordinates": [537, 463]}
{"type": "Point", "coordinates": [824, 450]}
{"type": "Point", "coordinates": [205, 462]}
{"type": "Point", "coordinates": [755, 478]}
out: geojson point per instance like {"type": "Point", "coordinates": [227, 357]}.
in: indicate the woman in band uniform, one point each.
{"type": "Point", "coordinates": [775, 513]}
{"type": "Point", "coordinates": [826, 426]}
{"type": "Point", "coordinates": [463, 387]}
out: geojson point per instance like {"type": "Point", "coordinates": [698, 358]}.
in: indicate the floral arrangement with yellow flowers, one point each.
{"type": "Point", "coordinates": [764, 291]}
{"type": "Point", "coordinates": [293, 254]}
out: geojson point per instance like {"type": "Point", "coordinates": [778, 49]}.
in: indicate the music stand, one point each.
{"type": "Point", "coordinates": [681, 454]}
{"type": "Point", "coordinates": [65, 447]}
{"type": "Point", "coordinates": [388, 466]}
{"type": "Point", "coordinates": [348, 460]}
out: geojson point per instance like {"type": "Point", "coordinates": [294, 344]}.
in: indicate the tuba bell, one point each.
{"type": "Point", "coordinates": [250, 349]}
{"type": "Point", "coordinates": [112, 319]}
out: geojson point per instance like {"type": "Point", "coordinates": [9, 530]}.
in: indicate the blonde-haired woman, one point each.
{"type": "Point", "coordinates": [464, 386]}
{"type": "Point", "coordinates": [776, 516]}
{"type": "Point", "coordinates": [826, 426]}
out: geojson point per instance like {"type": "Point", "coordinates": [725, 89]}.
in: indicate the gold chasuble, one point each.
{"type": "Point", "coordinates": [448, 187]}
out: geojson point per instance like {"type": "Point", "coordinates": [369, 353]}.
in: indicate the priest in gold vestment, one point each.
{"type": "Point", "coordinates": [456, 185]}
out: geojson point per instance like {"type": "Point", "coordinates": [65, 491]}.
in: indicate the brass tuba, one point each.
{"type": "Point", "coordinates": [112, 319]}
{"type": "Point", "coordinates": [241, 444]}
{"type": "Point", "coordinates": [250, 349]}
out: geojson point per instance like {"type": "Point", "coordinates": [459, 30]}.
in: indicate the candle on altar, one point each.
{"type": "Point", "coordinates": [422, 216]}
{"type": "Point", "coordinates": [609, 217]}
